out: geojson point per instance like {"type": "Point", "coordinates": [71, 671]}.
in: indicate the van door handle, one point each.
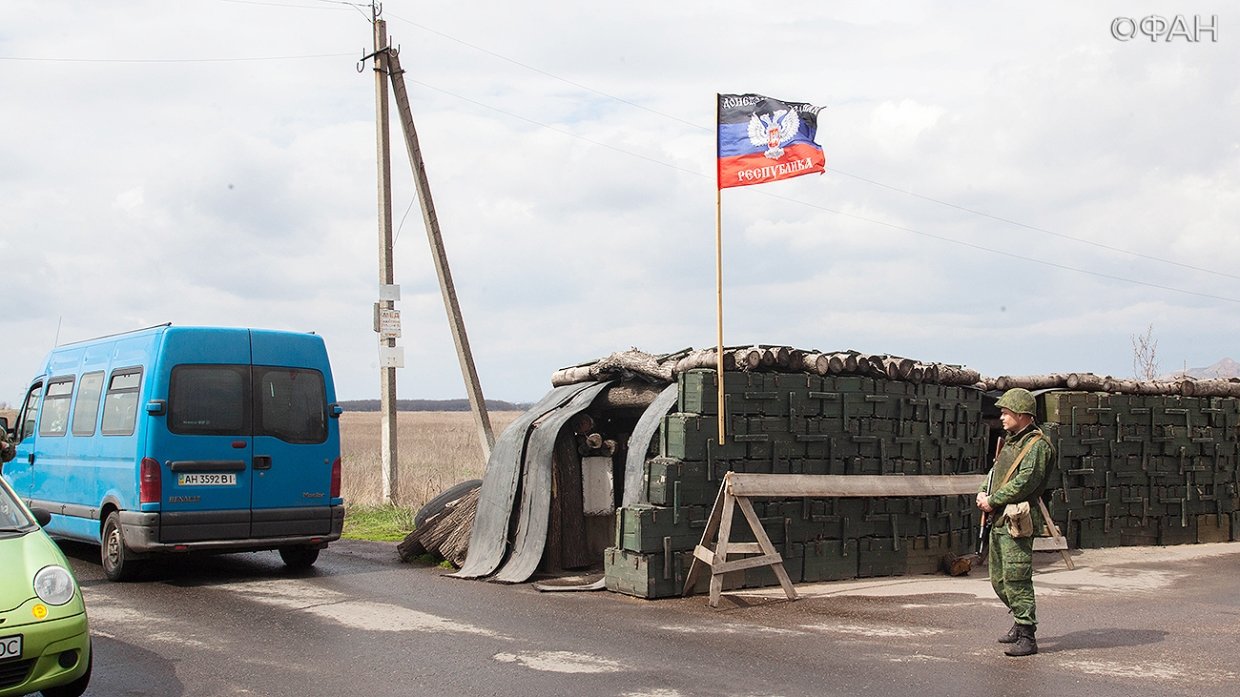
{"type": "Point", "coordinates": [30, 458]}
{"type": "Point", "coordinates": [262, 462]}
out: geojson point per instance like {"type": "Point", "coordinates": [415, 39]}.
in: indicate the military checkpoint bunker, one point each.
{"type": "Point", "coordinates": [621, 463]}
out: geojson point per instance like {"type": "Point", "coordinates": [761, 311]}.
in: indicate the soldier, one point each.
{"type": "Point", "coordinates": [1019, 475]}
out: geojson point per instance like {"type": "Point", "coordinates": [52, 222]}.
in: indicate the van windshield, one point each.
{"type": "Point", "coordinates": [235, 400]}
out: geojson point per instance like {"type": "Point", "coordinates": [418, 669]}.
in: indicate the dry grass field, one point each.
{"type": "Point", "coordinates": [435, 449]}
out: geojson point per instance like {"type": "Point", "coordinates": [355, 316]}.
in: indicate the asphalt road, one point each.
{"type": "Point", "coordinates": [1132, 621]}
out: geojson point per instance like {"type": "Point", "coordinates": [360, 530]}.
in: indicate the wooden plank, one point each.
{"type": "Point", "coordinates": [764, 542]}
{"type": "Point", "coordinates": [721, 549]}
{"type": "Point", "coordinates": [746, 548]}
{"type": "Point", "coordinates": [747, 563]}
{"type": "Point", "coordinates": [712, 524]}
{"type": "Point", "coordinates": [707, 556]}
{"type": "Point", "coordinates": [823, 485]}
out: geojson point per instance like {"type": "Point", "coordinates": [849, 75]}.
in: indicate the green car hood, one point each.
{"type": "Point", "coordinates": [21, 558]}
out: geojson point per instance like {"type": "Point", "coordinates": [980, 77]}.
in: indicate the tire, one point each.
{"type": "Point", "coordinates": [299, 557]}
{"type": "Point", "coordinates": [115, 557]}
{"type": "Point", "coordinates": [437, 504]}
{"type": "Point", "coordinates": [75, 688]}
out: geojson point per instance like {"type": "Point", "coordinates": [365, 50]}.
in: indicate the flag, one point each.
{"type": "Point", "coordinates": [764, 140]}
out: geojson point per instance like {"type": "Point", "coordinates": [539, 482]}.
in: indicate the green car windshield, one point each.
{"type": "Point", "coordinates": [13, 515]}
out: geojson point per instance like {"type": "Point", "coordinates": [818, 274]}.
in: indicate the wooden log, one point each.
{"type": "Point", "coordinates": [629, 395]}
{"type": "Point", "coordinates": [705, 358]}
{"type": "Point", "coordinates": [956, 375]}
{"type": "Point", "coordinates": [594, 441]}
{"type": "Point", "coordinates": [1087, 382]}
{"type": "Point", "coordinates": [1209, 388]}
{"type": "Point", "coordinates": [850, 361]}
{"type": "Point", "coordinates": [835, 364]}
{"type": "Point", "coordinates": [817, 363]}
{"type": "Point", "coordinates": [576, 374]}
{"type": "Point", "coordinates": [1031, 382]}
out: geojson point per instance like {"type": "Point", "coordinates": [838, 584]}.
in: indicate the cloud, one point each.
{"type": "Point", "coordinates": [569, 151]}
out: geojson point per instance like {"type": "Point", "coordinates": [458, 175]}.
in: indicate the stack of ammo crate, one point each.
{"type": "Point", "coordinates": [1144, 470]}
{"type": "Point", "coordinates": [799, 423]}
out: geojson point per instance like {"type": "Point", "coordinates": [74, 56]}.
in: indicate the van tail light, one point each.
{"type": "Point", "coordinates": [336, 479]}
{"type": "Point", "coordinates": [150, 487]}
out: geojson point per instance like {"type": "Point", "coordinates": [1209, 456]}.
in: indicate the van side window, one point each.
{"type": "Point", "coordinates": [30, 412]}
{"type": "Point", "coordinates": [54, 416]}
{"type": "Point", "coordinates": [209, 400]}
{"type": "Point", "coordinates": [120, 404]}
{"type": "Point", "coordinates": [86, 408]}
{"type": "Point", "coordinates": [290, 404]}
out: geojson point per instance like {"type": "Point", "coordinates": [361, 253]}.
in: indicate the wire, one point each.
{"type": "Point", "coordinates": [171, 60]}
{"type": "Point", "coordinates": [553, 76]}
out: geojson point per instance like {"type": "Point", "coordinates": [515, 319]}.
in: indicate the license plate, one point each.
{"type": "Point", "coordinates": [10, 647]}
{"type": "Point", "coordinates": [207, 479]}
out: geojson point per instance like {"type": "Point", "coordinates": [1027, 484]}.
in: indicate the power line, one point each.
{"type": "Point", "coordinates": [171, 60]}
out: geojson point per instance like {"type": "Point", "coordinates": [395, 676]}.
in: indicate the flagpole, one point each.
{"type": "Point", "coordinates": [719, 278]}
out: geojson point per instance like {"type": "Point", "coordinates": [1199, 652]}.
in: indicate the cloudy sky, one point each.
{"type": "Point", "coordinates": [1011, 189]}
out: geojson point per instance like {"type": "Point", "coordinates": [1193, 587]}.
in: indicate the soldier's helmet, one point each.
{"type": "Point", "coordinates": [1018, 400]}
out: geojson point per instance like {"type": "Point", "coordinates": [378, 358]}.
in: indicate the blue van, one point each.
{"type": "Point", "coordinates": [184, 439]}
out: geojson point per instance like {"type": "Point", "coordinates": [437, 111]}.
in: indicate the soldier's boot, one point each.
{"type": "Point", "coordinates": [1011, 636]}
{"type": "Point", "coordinates": [1026, 644]}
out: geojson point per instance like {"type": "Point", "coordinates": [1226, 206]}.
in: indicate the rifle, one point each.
{"type": "Point", "coordinates": [984, 526]}
{"type": "Point", "coordinates": [959, 566]}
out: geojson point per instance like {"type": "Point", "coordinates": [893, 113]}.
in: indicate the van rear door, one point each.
{"type": "Point", "coordinates": [295, 443]}
{"type": "Point", "coordinates": [206, 450]}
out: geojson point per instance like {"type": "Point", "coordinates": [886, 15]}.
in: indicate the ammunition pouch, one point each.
{"type": "Point", "coordinates": [1019, 519]}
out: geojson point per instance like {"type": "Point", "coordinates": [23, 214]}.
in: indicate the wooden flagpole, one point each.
{"type": "Point", "coordinates": [719, 277]}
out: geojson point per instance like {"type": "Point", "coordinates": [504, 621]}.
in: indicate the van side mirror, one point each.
{"type": "Point", "coordinates": [157, 407]}
{"type": "Point", "coordinates": [334, 410]}
{"type": "Point", "coordinates": [4, 422]}
{"type": "Point", "coordinates": [42, 516]}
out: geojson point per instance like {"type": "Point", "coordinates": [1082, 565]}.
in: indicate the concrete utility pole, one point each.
{"type": "Point", "coordinates": [389, 357]}
{"type": "Point", "coordinates": [482, 421]}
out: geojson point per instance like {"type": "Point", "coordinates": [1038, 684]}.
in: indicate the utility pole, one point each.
{"type": "Point", "coordinates": [389, 356]}
{"type": "Point", "coordinates": [482, 421]}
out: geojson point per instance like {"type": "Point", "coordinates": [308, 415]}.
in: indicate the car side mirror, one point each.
{"type": "Point", "coordinates": [42, 516]}
{"type": "Point", "coordinates": [334, 410]}
{"type": "Point", "coordinates": [4, 422]}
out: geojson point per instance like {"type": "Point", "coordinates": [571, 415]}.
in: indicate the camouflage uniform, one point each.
{"type": "Point", "coordinates": [1011, 559]}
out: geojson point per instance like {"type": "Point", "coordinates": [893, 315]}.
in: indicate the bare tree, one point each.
{"type": "Point", "coordinates": [1145, 355]}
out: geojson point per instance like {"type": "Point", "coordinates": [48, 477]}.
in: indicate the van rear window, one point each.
{"type": "Point", "coordinates": [209, 400]}
{"type": "Point", "coordinates": [290, 404]}
{"type": "Point", "coordinates": [233, 400]}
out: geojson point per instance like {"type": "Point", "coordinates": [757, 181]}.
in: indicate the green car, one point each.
{"type": "Point", "coordinates": [44, 640]}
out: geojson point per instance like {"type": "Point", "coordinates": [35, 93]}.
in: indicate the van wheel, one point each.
{"type": "Point", "coordinates": [117, 565]}
{"type": "Point", "coordinates": [299, 557]}
{"type": "Point", "coordinates": [75, 688]}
